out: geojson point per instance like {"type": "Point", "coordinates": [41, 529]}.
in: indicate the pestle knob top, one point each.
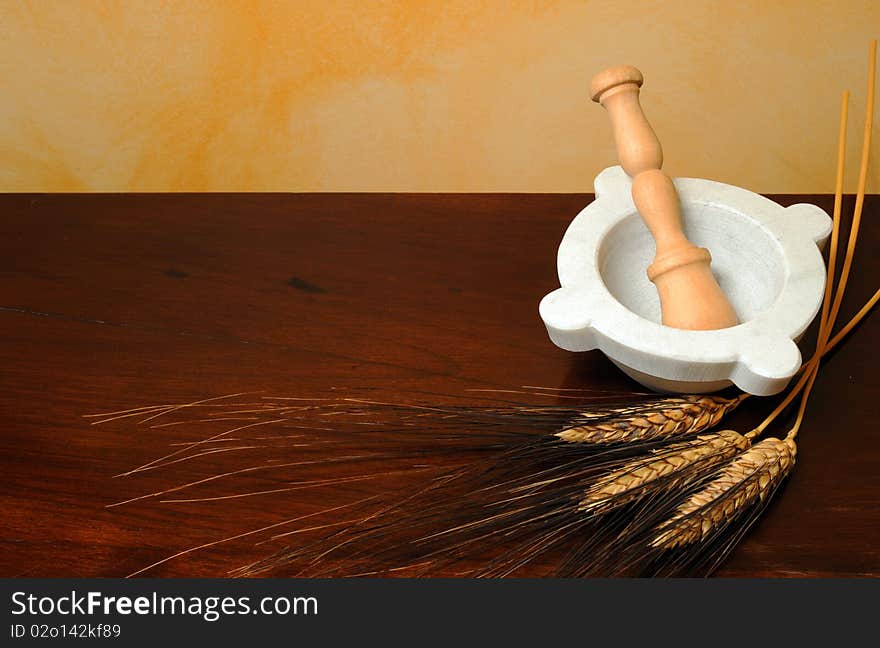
{"type": "Point", "coordinates": [613, 77]}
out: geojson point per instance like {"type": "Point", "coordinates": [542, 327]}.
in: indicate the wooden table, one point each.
{"type": "Point", "coordinates": [111, 302]}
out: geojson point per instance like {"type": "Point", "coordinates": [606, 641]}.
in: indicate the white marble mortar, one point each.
{"type": "Point", "coordinates": [766, 258]}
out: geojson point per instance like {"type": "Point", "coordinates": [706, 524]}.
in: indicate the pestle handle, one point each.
{"type": "Point", "coordinates": [617, 90]}
{"type": "Point", "coordinates": [657, 201]}
{"type": "Point", "coordinates": [690, 298]}
{"type": "Point", "coordinates": [640, 154]}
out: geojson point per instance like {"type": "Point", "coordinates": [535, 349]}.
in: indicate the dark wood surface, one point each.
{"type": "Point", "coordinates": [112, 302]}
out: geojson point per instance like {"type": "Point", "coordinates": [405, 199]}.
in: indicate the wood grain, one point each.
{"type": "Point", "coordinates": [112, 302]}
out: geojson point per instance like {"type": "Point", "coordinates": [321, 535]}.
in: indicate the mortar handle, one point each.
{"type": "Point", "coordinates": [617, 90]}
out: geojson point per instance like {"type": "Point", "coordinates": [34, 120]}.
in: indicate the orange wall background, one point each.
{"type": "Point", "coordinates": [410, 95]}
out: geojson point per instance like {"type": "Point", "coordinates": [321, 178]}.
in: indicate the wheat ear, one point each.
{"type": "Point", "coordinates": [664, 418]}
{"type": "Point", "coordinates": [674, 463]}
{"type": "Point", "coordinates": [749, 478]}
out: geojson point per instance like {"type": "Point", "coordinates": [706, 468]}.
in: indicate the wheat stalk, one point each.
{"type": "Point", "coordinates": [750, 477]}
{"type": "Point", "coordinates": [661, 419]}
{"type": "Point", "coordinates": [673, 462]}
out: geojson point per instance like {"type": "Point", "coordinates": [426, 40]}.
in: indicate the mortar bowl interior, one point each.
{"type": "Point", "coordinates": [747, 261]}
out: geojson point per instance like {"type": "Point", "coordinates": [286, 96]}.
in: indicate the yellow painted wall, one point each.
{"type": "Point", "coordinates": [419, 95]}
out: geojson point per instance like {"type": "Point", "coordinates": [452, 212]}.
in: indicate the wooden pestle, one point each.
{"type": "Point", "coordinates": [690, 298]}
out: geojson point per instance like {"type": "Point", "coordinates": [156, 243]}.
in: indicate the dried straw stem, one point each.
{"type": "Point", "coordinates": [827, 324]}
{"type": "Point", "coordinates": [673, 463]}
{"type": "Point", "coordinates": [751, 477]}
{"type": "Point", "coordinates": [664, 418]}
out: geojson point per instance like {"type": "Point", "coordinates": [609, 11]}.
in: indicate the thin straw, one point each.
{"type": "Point", "coordinates": [829, 279]}
{"type": "Point", "coordinates": [826, 323]}
{"type": "Point", "coordinates": [835, 230]}
{"type": "Point", "coordinates": [853, 237]}
{"type": "Point", "coordinates": [863, 179]}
